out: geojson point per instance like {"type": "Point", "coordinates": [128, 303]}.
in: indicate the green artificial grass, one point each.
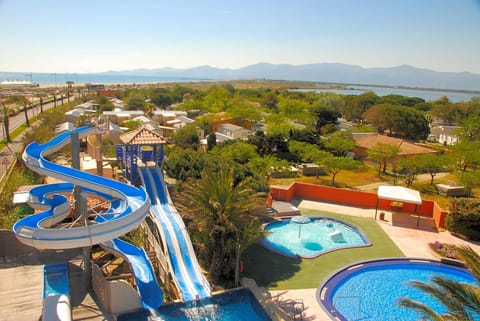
{"type": "Point", "coordinates": [277, 272]}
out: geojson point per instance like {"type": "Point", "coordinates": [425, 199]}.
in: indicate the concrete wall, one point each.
{"type": "Point", "coordinates": [354, 198]}
{"type": "Point", "coordinates": [116, 296]}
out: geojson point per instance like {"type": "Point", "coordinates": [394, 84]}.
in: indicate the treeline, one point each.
{"type": "Point", "coordinates": [284, 110]}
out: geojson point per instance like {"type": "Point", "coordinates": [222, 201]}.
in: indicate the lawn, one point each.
{"type": "Point", "coordinates": [277, 272]}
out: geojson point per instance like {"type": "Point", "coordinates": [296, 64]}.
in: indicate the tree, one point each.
{"type": "Point", "coordinates": [461, 300]}
{"type": "Point", "coordinates": [222, 219]}
{"type": "Point", "coordinates": [6, 121]}
{"type": "Point", "coordinates": [356, 105]}
{"type": "Point", "coordinates": [270, 100]}
{"type": "Point", "coordinates": [471, 128]}
{"type": "Point", "coordinates": [448, 112]}
{"type": "Point", "coordinates": [211, 141]}
{"type": "Point", "coordinates": [398, 120]}
{"type": "Point", "coordinates": [237, 151]}
{"type": "Point", "coordinates": [21, 100]}
{"type": "Point", "coordinates": [69, 88]}
{"type": "Point", "coordinates": [306, 152]}
{"type": "Point", "coordinates": [334, 165]}
{"type": "Point", "coordinates": [136, 102]}
{"type": "Point", "coordinates": [381, 153]}
{"type": "Point", "coordinates": [410, 167]}
{"type": "Point", "coordinates": [470, 180]}
{"type": "Point", "coordinates": [270, 144]}
{"type": "Point", "coordinates": [339, 143]}
{"type": "Point", "coordinates": [40, 97]}
{"type": "Point", "coordinates": [218, 99]}
{"type": "Point", "coordinates": [187, 137]}
{"type": "Point", "coordinates": [161, 98]}
{"type": "Point", "coordinates": [325, 116]}
{"type": "Point", "coordinates": [266, 166]}
{"type": "Point", "coordinates": [184, 164]}
{"type": "Point", "coordinates": [467, 154]}
{"type": "Point", "coordinates": [433, 164]}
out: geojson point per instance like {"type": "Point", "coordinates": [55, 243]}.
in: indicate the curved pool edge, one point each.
{"type": "Point", "coordinates": [263, 242]}
{"type": "Point", "coordinates": [323, 292]}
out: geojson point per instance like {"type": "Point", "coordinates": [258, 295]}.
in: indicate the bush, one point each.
{"type": "Point", "coordinates": [464, 218]}
{"type": "Point", "coordinates": [9, 213]}
{"type": "Point", "coordinates": [444, 249]}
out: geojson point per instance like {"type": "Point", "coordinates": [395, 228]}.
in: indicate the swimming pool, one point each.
{"type": "Point", "coordinates": [309, 237]}
{"type": "Point", "coordinates": [370, 290]}
{"type": "Point", "coordinates": [236, 305]}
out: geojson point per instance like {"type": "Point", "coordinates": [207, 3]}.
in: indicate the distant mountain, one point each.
{"type": "Point", "coordinates": [403, 75]}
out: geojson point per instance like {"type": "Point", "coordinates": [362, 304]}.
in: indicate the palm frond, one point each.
{"type": "Point", "coordinates": [422, 309]}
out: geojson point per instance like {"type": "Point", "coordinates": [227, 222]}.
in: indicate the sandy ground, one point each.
{"type": "Point", "coordinates": [403, 230]}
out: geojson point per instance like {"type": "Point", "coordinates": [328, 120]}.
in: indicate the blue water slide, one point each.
{"type": "Point", "coordinates": [128, 207]}
{"type": "Point", "coordinates": [187, 272]}
{"type": "Point", "coordinates": [147, 286]}
{"type": "Point", "coordinates": [34, 231]}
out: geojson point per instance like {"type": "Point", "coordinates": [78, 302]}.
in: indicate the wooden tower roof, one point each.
{"type": "Point", "coordinates": [144, 135]}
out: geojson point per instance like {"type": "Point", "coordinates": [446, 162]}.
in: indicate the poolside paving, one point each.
{"type": "Point", "coordinates": [401, 227]}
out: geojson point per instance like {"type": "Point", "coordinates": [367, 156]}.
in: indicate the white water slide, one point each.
{"type": "Point", "coordinates": [128, 207]}
{"type": "Point", "coordinates": [187, 272]}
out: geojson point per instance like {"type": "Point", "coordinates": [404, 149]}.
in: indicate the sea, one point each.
{"type": "Point", "coordinates": [426, 94]}
{"type": "Point", "coordinates": [100, 78]}
{"type": "Point", "coordinates": [53, 79]}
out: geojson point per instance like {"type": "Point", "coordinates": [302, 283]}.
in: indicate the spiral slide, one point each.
{"type": "Point", "coordinates": [129, 206]}
{"type": "Point", "coordinates": [187, 273]}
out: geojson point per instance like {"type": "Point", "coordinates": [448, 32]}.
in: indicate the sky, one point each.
{"type": "Point", "coordinates": [87, 36]}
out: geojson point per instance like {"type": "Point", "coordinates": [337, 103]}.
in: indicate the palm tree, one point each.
{"type": "Point", "coordinates": [6, 121]}
{"type": "Point", "coordinates": [222, 219]}
{"type": "Point", "coordinates": [21, 100]}
{"type": "Point", "coordinates": [461, 300]}
{"type": "Point", "coordinates": [40, 96]}
{"type": "Point", "coordinates": [69, 88]}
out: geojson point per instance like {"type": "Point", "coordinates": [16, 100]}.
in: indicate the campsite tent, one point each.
{"type": "Point", "coordinates": [398, 194]}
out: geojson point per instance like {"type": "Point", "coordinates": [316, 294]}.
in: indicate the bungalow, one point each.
{"type": "Point", "coordinates": [163, 116]}
{"type": "Point", "coordinates": [117, 116]}
{"type": "Point", "coordinates": [233, 131]}
{"type": "Point", "coordinates": [365, 141]}
{"type": "Point", "coordinates": [445, 135]}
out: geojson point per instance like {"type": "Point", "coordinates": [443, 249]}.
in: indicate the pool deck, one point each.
{"type": "Point", "coordinates": [402, 229]}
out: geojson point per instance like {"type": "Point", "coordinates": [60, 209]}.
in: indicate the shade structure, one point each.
{"type": "Point", "coordinates": [399, 194]}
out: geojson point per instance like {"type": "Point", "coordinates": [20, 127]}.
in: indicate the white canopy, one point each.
{"type": "Point", "coordinates": [399, 193]}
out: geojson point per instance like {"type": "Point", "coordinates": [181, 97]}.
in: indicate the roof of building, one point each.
{"type": "Point", "coordinates": [144, 135]}
{"type": "Point", "coordinates": [123, 113]}
{"type": "Point", "coordinates": [169, 113]}
{"type": "Point", "coordinates": [445, 130]}
{"type": "Point", "coordinates": [231, 127]}
{"type": "Point", "coordinates": [368, 140]}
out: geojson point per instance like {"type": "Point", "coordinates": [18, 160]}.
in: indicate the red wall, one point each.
{"type": "Point", "coordinates": [353, 198]}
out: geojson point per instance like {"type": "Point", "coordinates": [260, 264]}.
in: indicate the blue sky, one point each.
{"type": "Point", "coordinates": [94, 36]}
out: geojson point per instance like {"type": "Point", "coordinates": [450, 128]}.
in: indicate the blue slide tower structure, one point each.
{"type": "Point", "coordinates": [129, 206]}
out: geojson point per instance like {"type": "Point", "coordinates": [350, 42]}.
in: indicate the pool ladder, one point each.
{"type": "Point", "coordinates": [362, 314]}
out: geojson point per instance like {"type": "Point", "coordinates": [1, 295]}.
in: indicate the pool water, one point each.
{"type": "Point", "coordinates": [371, 291]}
{"type": "Point", "coordinates": [311, 239]}
{"type": "Point", "coordinates": [235, 305]}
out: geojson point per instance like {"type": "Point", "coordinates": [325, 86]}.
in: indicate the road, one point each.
{"type": "Point", "coordinates": [19, 119]}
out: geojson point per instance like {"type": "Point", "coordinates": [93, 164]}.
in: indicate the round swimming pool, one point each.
{"type": "Point", "coordinates": [309, 237]}
{"type": "Point", "coordinates": [370, 290]}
